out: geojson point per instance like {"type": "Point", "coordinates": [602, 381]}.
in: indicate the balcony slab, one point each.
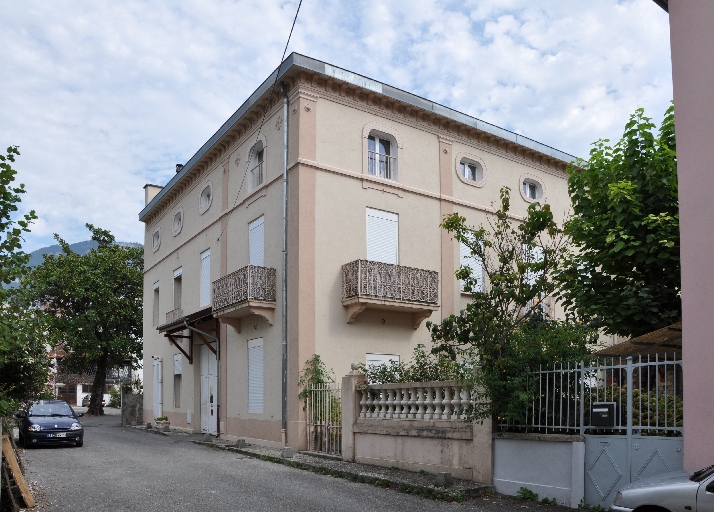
{"type": "Point", "coordinates": [356, 305]}
{"type": "Point", "coordinates": [233, 314]}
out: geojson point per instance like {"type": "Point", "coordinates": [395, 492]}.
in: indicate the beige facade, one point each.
{"type": "Point", "coordinates": [331, 186]}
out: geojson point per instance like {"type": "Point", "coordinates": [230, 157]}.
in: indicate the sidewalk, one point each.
{"type": "Point", "coordinates": [422, 484]}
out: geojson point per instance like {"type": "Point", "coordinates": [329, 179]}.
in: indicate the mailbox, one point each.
{"type": "Point", "coordinates": [602, 414]}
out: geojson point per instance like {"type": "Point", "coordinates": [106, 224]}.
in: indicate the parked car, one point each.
{"type": "Point", "coordinates": [668, 493]}
{"type": "Point", "coordinates": [50, 422]}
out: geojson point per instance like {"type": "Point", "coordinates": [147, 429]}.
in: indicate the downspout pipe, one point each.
{"type": "Point", "coordinates": [284, 305]}
{"type": "Point", "coordinates": [218, 377]}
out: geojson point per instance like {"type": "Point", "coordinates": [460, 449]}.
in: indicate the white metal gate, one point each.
{"type": "Point", "coordinates": [642, 399]}
{"type": "Point", "coordinates": [157, 390]}
{"type": "Point", "coordinates": [209, 381]}
{"type": "Point", "coordinates": [324, 418]}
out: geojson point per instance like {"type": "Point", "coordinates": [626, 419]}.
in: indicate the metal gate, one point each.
{"type": "Point", "coordinates": [629, 412]}
{"type": "Point", "coordinates": [324, 418]}
{"type": "Point", "coordinates": [645, 438]}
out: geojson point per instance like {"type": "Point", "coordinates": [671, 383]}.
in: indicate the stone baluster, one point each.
{"type": "Point", "coordinates": [445, 415]}
{"type": "Point", "coordinates": [363, 404]}
{"type": "Point", "coordinates": [412, 403]}
{"type": "Point", "coordinates": [390, 403]}
{"type": "Point", "coordinates": [370, 403]}
{"type": "Point", "coordinates": [437, 402]}
{"type": "Point", "coordinates": [456, 404]}
{"type": "Point", "coordinates": [405, 404]}
{"type": "Point", "coordinates": [465, 401]}
{"type": "Point", "coordinates": [429, 403]}
{"type": "Point", "coordinates": [397, 403]}
{"type": "Point", "coordinates": [383, 404]}
{"type": "Point", "coordinates": [420, 403]}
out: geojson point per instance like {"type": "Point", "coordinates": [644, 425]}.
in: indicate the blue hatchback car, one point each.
{"type": "Point", "coordinates": [50, 422]}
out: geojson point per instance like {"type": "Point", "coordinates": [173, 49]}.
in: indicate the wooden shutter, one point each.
{"type": "Point", "coordinates": [469, 260]}
{"type": "Point", "coordinates": [205, 278]}
{"type": "Point", "coordinates": [255, 375]}
{"type": "Point", "coordinates": [382, 236]}
{"type": "Point", "coordinates": [256, 241]}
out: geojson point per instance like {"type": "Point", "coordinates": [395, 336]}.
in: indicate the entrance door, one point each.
{"type": "Point", "coordinates": [209, 390]}
{"type": "Point", "coordinates": [157, 391]}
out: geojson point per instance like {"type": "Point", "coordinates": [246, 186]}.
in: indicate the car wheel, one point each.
{"type": "Point", "coordinates": [79, 444]}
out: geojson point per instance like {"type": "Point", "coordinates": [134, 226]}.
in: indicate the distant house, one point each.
{"type": "Point", "coordinates": [371, 170]}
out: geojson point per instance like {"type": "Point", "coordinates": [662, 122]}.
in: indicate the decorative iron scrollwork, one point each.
{"type": "Point", "coordinates": [363, 278]}
{"type": "Point", "coordinates": [250, 283]}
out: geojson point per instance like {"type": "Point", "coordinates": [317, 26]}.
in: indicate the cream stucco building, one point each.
{"type": "Point", "coordinates": [370, 171]}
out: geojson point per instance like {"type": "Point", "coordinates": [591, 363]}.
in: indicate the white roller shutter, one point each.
{"type": "Point", "coordinates": [255, 375]}
{"type": "Point", "coordinates": [382, 236]}
{"type": "Point", "coordinates": [256, 241]}
{"type": "Point", "coordinates": [469, 260]}
{"type": "Point", "coordinates": [206, 278]}
{"type": "Point", "coordinates": [534, 255]}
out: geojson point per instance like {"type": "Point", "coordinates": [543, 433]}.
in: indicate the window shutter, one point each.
{"type": "Point", "coordinates": [382, 236]}
{"type": "Point", "coordinates": [255, 375]}
{"type": "Point", "coordinates": [469, 260]}
{"type": "Point", "coordinates": [256, 241]}
{"type": "Point", "coordinates": [533, 255]}
{"type": "Point", "coordinates": [206, 278]}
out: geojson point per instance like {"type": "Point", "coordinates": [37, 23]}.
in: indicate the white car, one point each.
{"type": "Point", "coordinates": [672, 492]}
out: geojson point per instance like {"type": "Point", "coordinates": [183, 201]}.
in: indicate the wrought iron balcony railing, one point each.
{"type": "Point", "coordinates": [250, 283]}
{"type": "Point", "coordinates": [174, 315]}
{"type": "Point", "coordinates": [384, 281]}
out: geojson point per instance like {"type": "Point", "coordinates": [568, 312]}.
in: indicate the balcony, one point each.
{"type": "Point", "coordinates": [247, 291]}
{"type": "Point", "coordinates": [375, 285]}
{"type": "Point", "coordinates": [174, 315]}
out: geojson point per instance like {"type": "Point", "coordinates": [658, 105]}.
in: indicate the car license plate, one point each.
{"type": "Point", "coordinates": [61, 434]}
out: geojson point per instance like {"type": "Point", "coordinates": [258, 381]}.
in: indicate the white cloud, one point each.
{"type": "Point", "coordinates": [105, 97]}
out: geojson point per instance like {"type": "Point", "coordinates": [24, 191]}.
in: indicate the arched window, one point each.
{"type": "Point", "coordinates": [531, 188]}
{"type": "Point", "coordinates": [156, 239]}
{"type": "Point", "coordinates": [178, 221]}
{"type": "Point", "coordinates": [471, 170]}
{"type": "Point", "coordinates": [382, 151]}
{"type": "Point", "coordinates": [257, 165]}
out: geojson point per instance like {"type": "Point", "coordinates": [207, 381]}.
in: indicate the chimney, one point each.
{"type": "Point", "coordinates": [150, 192]}
{"type": "Point", "coordinates": [179, 167]}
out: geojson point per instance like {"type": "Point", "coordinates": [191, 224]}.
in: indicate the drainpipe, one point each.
{"type": "Point", "coordinates": [218, 376]}
{"type": "Point", "coordinates": [284, 305]}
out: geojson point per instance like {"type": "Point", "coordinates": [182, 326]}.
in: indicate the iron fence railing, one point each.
{"type": "Point", "coordinates": [381, 165]}
{"type": "Point", "coordinates": [174, 315]}
{"type": "Point", "coordinates": [250, 283]}
{"type": "Point", "coordinates": [644, 394]}
{"type": "Point", "coordinates": [324, 418]}
{"type": "Point", "coordinates": [256, 176]}
{"type": "Point", "coordinates": [363, 278]}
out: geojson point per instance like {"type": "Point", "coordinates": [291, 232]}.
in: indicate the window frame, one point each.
{"type": "Point", "coordinates": [177, 211]}
{"type": "Point", "coordinates": [474, 159]}
{"type": "Point", "coordinates": [203, 209]}
{"type": "Point", "coordinates": [387, 216]}
{"type": "Point", "coordinates": [155, 233]}
{"type": "Point", "coordinates": [204, 255]}
{"type": "Point", "coordinates": [525, 178]}
{"type": "Point", "coordinates": [374, 129]}
{"type": "Point", "coordinates": [256, 343]}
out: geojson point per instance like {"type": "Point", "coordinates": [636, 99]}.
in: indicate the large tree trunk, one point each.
{"type": "Point", "coordinates": [95, 402]}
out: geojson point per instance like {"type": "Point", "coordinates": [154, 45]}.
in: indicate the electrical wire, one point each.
{"type": "Point", "coordinates": [262, 121]}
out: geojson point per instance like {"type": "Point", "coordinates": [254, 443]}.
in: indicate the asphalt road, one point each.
{"type": "Point", "coordinates": [121, 469]}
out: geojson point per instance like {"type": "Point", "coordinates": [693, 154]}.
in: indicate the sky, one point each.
{"type": "Point", "coordinates": [103, 97]}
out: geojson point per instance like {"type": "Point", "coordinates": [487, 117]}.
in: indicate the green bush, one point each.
{"type": "Point", "coordinates": [114, 397]}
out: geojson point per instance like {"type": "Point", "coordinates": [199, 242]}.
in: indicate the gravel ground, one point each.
{"type": "Point", "coordinates": [124, 469]}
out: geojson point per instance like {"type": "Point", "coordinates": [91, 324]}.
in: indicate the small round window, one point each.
{"type": "Point", "coordinates": [178, 222]}
{"type": "Point", "coordinates": [470, 170]}
{"type": "Point", "coordinates": [156, 239]}
{"type": "Point", "coordinates": [532, 190]}
{"type": "Point", "coordinates": [204, 201]}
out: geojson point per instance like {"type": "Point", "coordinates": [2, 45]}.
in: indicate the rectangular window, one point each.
{"type": "Point", "coordinates": [382, 236]}
{"type": "Point", "coordinates": [379, 158]}
{"type": "Point", "coordinates": [177, 287]}
{"type": "Point", "coordinates": [256, 241]}
{"type": "Point", "coordinates": [532, 255]}
{"type": "Point", "coordinates": [156, 304]}
{"type": "Point", "coordinates": [474, 262]}
{"type": "Point", "coordinates": [205, 278]}
{"type": "Point", "coordinates": [177, 391]}
{"type": "Point", "coordinates": [255, 376]}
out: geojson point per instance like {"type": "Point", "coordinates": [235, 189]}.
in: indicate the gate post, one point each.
{"type": "Point", "coordinates": [629, 419]}
{"type": "Point", "coordinates": [350, 411]}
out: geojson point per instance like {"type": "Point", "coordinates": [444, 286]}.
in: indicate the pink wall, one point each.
{"type": "Point", "coordinates": [692, 40]}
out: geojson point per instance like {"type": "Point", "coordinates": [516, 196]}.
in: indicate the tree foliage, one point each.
{"type": "Point", "coordinates": [505, 328]}
{"type": "Point", "coordinates": [92, 304]}
{"type": "Point", "coordinates": [623, 271]}
{"type": "Point", "coordinates": [24, 365]}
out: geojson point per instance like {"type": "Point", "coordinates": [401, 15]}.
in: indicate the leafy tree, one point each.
{"type": "Point", "coordinates": [92, 304]}
{"type": "Point", "coordinates": [24, 364]}
{"type": "Point", "coordinates": [623, 272]}
{"type": "Point", "coordinates": [505, 328]}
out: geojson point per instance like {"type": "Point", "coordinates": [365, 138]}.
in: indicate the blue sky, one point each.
{"type": "Point", "coordinates": [103, 97]}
